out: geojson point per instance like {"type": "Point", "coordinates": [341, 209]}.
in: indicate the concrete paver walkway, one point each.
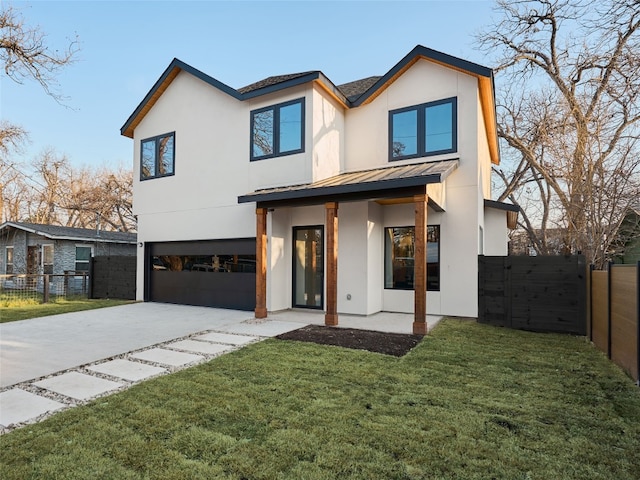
{"type": "Point", "coordinates": [51, 363]}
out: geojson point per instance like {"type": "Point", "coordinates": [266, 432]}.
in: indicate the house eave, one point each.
{"type": "Point", "coordinates": [72, 238]}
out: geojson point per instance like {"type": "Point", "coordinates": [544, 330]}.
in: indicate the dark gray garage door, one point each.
{"type": "Point", "coordinates": [212, 273]}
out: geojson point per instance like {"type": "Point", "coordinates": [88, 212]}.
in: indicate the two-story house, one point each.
{"type": "Point", "coordinates": [293, 192]}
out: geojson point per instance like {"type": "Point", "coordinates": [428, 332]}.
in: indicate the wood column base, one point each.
{"type": "Point", "coordinates": [261, 313]}
{"type": "Point", "coordinates": [331, 319]}
{"type": "Point", "coordinates": [419, 328]}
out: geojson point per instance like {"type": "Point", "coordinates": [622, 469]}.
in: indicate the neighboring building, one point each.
{"type": "Point", "coordinates": [37, 249]}
{"type": "Point", "coordinates": [271, 174]}
{"type": "Point", "coordinates": [627, 242]}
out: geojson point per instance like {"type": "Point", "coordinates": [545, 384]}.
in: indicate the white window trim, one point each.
{"type": "Point", "coordinates": [84, 245]}
{"type": "Point", "coordinates": [6, 258]}
{"type": "Point", "coordinates": [42, 264]}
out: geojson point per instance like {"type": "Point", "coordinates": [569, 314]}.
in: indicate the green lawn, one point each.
{"type": "Point", "coordinates": [11, 310]}
{"type": "Point", "coordinates": [470, 402]}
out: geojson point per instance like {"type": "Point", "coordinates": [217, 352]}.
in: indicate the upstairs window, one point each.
{"type": "Point", "coordinates": [157, 156]}
{"type": "Point", "coordinates": [277, 130]}
{"type": "Point", "coordinates": [423, 130]}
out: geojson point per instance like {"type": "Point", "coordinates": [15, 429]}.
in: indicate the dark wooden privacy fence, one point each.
{"type": "Point", "coordinates": [542, 294]}
{"type": "Point", "coordinates": [615, 310]}
{"type": "Point", "coordinates": [113, 277]}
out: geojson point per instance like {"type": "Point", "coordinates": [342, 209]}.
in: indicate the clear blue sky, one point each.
{"type": "Point", "coordinates": [126, 45]}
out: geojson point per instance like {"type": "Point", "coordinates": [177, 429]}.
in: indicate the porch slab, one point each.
{"type": "Point", "coordinates": [17, 406]}
{"type": "Point", "coordinates": [127, 370]}
{"type": "Point", "coordinates": [78, 385]}
{"type": "Point", "coordinates": [217, 337]}
{"type": "Point", "coordinates": [170, 358]}
{"type": "Point", "coordinates": [389, 322]}
{"type": "Point", "coordinates": [200, 347]}
{"type": "Point", "coordinates": [268, 328]}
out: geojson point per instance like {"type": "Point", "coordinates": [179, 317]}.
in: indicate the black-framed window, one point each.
{"type": "Point", "coordinates": [399, 257]}
{"type": "Point", "coordinates": [423, 130]}
{"type": "Point", "coordinates": [277, 130]}
{"type": "Point", "coordinates": [158, 156]}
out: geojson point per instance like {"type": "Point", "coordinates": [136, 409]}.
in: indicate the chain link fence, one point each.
{"type": "Point", "coordinates": [37, 288]}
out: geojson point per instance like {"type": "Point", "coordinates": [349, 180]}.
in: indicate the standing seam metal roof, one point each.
{"type": "Point", "coordinates": [362, 181]}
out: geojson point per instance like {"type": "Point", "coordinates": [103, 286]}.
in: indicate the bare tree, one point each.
{"type": "Point", "coordinates": [569, 117]}
{"type": "Point", "coordinates": [25, 55]}
{"type": "Point", "coordinates": [52, 191]}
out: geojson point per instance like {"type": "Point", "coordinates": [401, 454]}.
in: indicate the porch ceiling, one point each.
{"type": "Point", "coordinates": [388, 182]}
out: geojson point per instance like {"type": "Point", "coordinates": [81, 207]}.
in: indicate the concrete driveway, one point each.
{"type": "Point", "coordinates": [51, 363]}
{"type": "Point", "coordinates": [37, 347]}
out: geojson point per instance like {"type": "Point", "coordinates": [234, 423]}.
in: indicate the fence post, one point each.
{"type": "Point", "coordinates": [590, 297]}
{"type": "Point", "coordinates": [91, 275]}
{"type": "Point", "coordinates": [66, 282]}
{"type": "Point", "coordinates": [45, 293]}
{"type": "Point", "coordinates": [610, 267]}
{"type": "Point", "coordinates": [638, 321]}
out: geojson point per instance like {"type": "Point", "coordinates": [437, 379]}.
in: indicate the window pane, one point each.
{"type": "Point", "coordinates": [399, 257]}
{"type": "Point", "coordinates": [148, 164]}
{"type": "Point", "coordinates": [9, 262]}
{"type": "Point", "coordinates": [83, 254]}
{"type": "Point", "coordinates": [433, 257]}
{"type": "Point", "coordinates": [291, 128]}
{"type": "Point", "coordinates": [232, 263]}
{"type": "Point", "coordinates": [405, 134]}
{"type": "Point", "coordinates": [439, 127]}
{"type": "Point", "coordinates": [263, 133]}
{"type": "Point", "coordinates": [47, 254]}
{"type": "Point", "coordinates": [165, 150]}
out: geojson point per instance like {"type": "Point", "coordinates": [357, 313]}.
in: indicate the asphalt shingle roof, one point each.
{"type": "Point", "coordinates": [355, 89]}
{"type": "Point", "coordinates": [274, 80]}
{"type": "Point", "coordinates": [58, 232]}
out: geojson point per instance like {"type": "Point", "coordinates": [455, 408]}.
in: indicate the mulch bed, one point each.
{"type": "Point", "coordinates": [396, 344]}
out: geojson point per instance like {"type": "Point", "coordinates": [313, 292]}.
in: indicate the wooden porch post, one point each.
{"type": "Point", "coordinates": [331, 316]}
{"type": "Point", "coordinates": [261, 263]}
{"type": "Point", "coordinates": [420, 266]}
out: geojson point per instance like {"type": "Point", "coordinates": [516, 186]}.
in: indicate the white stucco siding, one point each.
{"type": "Point", "coordinates": [375, 251]}
{"type": "Point", "coordinates": [327, 135]}
{"type": "Point", "coordinates": [279, 259]}
{"type": "Point", "coordinates": [352, 257]}
{"type": "Point", "coordinates": [211, 149]}
{"type": "Point", "coordinates": [367, 127]}
{"type": "Point", "coordinates": [496, 233]}
{"type": "Point", "coordinates": [459, 253]}
{"type": "Point", "coordinates": [292, 169]}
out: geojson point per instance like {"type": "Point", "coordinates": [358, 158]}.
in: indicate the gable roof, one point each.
{"type": "Point", "coordinates": [56, 232]}
{"type": "Point", "coordinates": [350, 95]}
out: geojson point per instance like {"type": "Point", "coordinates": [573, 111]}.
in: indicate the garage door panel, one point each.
{"type": "Point", "coordinates": [210, 289]}
{"type": "Point", "coordinates": [214, 273]}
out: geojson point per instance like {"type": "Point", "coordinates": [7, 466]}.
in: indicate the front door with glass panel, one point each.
{"type": "Point", "coordinates": [308, 267]}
